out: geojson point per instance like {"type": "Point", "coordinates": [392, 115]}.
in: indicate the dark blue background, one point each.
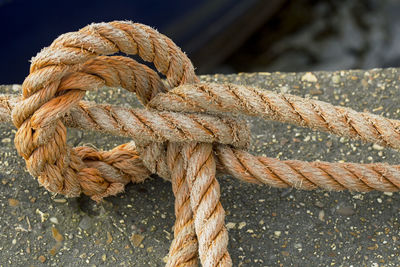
{"type": "Point", "coordinates": [27, 26]}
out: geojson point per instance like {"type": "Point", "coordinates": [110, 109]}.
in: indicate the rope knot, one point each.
{"type": "Point", "coordinates": [80, 61]}
{"type": "Point", "coordinates": [184, 134]}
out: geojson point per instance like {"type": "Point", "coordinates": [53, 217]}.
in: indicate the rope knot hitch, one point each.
{"type": "Point", "coordinates": [188, 133]}
{"type": "Point", "coordinates": [80, 61]}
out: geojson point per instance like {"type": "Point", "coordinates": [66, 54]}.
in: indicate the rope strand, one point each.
{"type": "Point", "coordinates": [183, 250]}
{"type": "Point", "coordinates": [208, 214]}
{"type": "Point", "coordinates": [185, 134]}
{"type": "Point", "coordinates": [317, 115]}
{"type": "Point", "coordinates": [249, 168]}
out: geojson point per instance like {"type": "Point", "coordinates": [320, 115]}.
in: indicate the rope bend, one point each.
{"type": "Point", "coordinates": [185, 135]}
{"type": "Point", "coordinates": [80, 61]}
{"type": "Point", "coordinates": [59, 77]}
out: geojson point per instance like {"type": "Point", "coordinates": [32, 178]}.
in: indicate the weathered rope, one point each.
{"type": "Point", "coordinates": [184, 247]}
{"type": "Point", "coordinates": [145, 125]}
{"type": "Point", "coordinates": [208, 214]}
{"type": "Point", "coordinates": [75, 62]}
{"type": "Point", "coordinates": [186, 135]}
{"type": "Point", "coordinates": [317, 115]}
{"type": "Point", "coordinates": [60, 75]}
{"type": "Point", "coordinates": [239, 163]}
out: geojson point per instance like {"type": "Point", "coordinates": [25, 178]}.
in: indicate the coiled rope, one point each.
{"type": "Point", "coordinates": [188, 132]}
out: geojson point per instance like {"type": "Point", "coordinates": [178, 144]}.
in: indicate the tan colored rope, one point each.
{"type": "Point", "coordinates": [208, 214]}
{"type": "Point", "coordinates": [51, 90]}
{"type": "Point", "coordinates": [144, 125]}
{"type": "Point", "coordinates": [314, 114]}
{"type": "Point", "coordinates": [249, 168]}
{"type": "Point", "coordinates": [308, 175]}
{"type": "Point", "coordinates": [184, 247]}
{"type": "Point", "coordinates": [185, 135]}
{"type": "Point", "coordinates": [76, 62]}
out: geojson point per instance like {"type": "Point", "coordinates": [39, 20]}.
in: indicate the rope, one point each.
{"type": "Point", "coordinates": [235, 99]}
{"type": "Point", "coordinates": [189, 133]}
{"type": "Point", "coordinates": [233, 161]}
{"type": "Point", "coordinates": [184, 247]}
{"type": "Point", "coordinates": [208, 214]}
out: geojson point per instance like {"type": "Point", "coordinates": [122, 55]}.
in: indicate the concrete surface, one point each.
{"type": "Point", "coordinates": [267, 226]}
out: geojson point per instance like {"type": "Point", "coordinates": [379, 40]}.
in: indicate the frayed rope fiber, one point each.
{"type": "Point", "coordinates": [188, 132]}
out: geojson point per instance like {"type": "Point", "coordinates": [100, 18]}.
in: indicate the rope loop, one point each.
{"type": "Point", "coordinates": [59, 77]}
{"type": "Point", "coordinates": [80, 61]}
{"type": "Point", "coordinates": [187, 132]}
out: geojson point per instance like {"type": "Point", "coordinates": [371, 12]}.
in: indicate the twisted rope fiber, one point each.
{"type": "Point", "coordinates": [318, 115]}
{"type": "Point", "coordinates": [233, 161]}
{"type": "Point", "coordinates": [184, 247]}
{"type": "Point", "coordinates": [208, 214]}
{"type": "Point", "coordinates": [72, 61]}
{"type": "Point", "coordinates": [247, 167]}
{"type": "Point", "coordinates": [177, 146]}
{"type": "Point", "coordinates": [60, 75]}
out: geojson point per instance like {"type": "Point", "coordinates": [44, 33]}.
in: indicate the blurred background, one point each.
{"type": "Point", "coordinates": [220, 36]}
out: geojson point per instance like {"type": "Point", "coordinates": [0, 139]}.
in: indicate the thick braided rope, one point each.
{"type": "Point", "coordinates": [249, 168]}
{"type": "Point", "coordinates": [318, 115]}
{"type": "Point", "coordinates": [76, 62]}
{"type": "Point", "coordinates": [308, 175]}
{"type": "Point", "coordinates": [184, 247]}
{"type": "Point", "coordinates": [209, 216]}
{"type": "Point", "coordinates": [167, 161]}
{"type": "Point", "coordinates": [60, 75]}
{"type": "Point", "coordinates": [118, 166]}
{"type": "Point", "coordinates": [244, 166]}
{"type": "Point", "coordinates": [144, 125]}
